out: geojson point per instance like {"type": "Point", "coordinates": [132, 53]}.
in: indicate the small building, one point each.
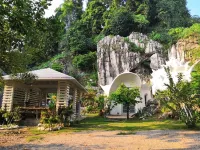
{"type": "Point", "coordinates": [34, 96]}
{"type": "Point", "coordinates": [130, 80]}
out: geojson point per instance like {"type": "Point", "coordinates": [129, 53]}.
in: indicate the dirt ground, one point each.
{"type": "Point", "coordinates": [153, 140]}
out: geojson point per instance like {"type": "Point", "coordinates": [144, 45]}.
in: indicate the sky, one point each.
{"type": "Point", "coordinates": [55, 4]}
{"type": "Point", "coordinates": [193, 6]}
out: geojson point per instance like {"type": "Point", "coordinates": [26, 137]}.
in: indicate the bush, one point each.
{"type": "Point", "coordinates": [98, 38]}
{"type": "Point", "coordinates": [57, 66]}
{"type": "Point", "coordinates": [133, 47]}
{"type": "Point", "coordinates": [2, 119]}
{"type": "Point", "coordinates": [85, 62]}
{"type": "Point", "coordinates": [181, 99]}
{"type": "Point", "coordinates": [183, 33]}
{"type": "Point", "coordinates": [48, 118]}
{"type": "Point", "coordinates": [10, 117]}
{"type": "Point", "coordinates": [65, 114]}
{"type": "Point", "coordinates": [162, 37]}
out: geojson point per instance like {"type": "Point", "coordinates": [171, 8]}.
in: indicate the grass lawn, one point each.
{"type": "Point", "coordinates": [95, 123]}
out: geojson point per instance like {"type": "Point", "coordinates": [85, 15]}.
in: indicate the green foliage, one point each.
{"type": "Point", "coordinates": [183, 33]}
{"type": "Point", "coordinates": [141, 21]}
{"type": "Point", "coordinates": [1, 116]}
{"type": "Point", "coordinates": [93, 16]}
{"type": "Point", "coordinates": [92, 79]}
{"type": "Point", "coordinates": [10, 117]}
{"type": "Point", "coordinates": [52, 103]}
{"type": "Point", "coordinates": [48, 118]}
{"type": "Point", "coordinates": [94, 103]}
{"type": "Point", "coordinates": [172, 13]}
{"type": "Point", "coordinates": [180, 99]}
{"type": "Point", "coordinates": [55, 60]}
{"type": "Point", "coordinates": [98, 38]}
{"type": "Point", "coordinates": [196, 79]}
{"type": "Point", "coordinates": [22, 24]}
{"type": "Point", "coordinates": [70, 11]}
{"type": "Point", "coordinates": [85, 62]}
{"type": "Point", "coordinates": [89, 102]}
{"type": "Point", "coordinates": [29, 39]}
{"type": "Point", "coordinates": [119, 22]}
{"type": "Point", "coordinates": [65, 114]}
{"type": "Point", "coordinates": [126, 96]}
{"type": "Point", "coordinates": [133, 47]}
{"type": "Point", "coordinates": [57, 66]}
{"type": "Point", "coordinates": [161, 37]}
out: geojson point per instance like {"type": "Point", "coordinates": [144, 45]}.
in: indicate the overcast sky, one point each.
{"type": "Point", "coordinates": [193, 6]}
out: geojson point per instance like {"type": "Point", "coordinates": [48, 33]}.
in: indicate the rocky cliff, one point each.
{"type": "Point", "coordinates": [136, 53]}
{"type": "Point", "coordinates": [186, 49]}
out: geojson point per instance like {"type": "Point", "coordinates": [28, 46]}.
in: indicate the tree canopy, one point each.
{"type": "Point", "coordinates": [126, 96]}
{"type": "Point", "coordinates": [25, 35]}
{"type": "Point", "coordinates": [27, 39]}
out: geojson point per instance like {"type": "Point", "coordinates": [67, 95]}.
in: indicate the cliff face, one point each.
{"type": "Point", "coordinates": [186, 49]}
{"type": "Point", "coordinates": [114, 56]}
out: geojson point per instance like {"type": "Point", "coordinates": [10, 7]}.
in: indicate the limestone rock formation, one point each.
{"type": "Point", "coordinates": [184, 49]}
{"type": "Point", "coordinates": [114, 56]}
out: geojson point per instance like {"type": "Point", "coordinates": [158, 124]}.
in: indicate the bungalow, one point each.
{"type": "Point", "coordinates": [34, 96]}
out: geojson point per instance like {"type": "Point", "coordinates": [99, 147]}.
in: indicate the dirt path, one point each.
{"type": "Point", "coordinates": [168, 139]}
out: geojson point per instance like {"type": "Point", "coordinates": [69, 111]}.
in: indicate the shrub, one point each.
{"type": "Point", "coordinates": [10, 117]}
{"type": "Point", "coordinates": [162, 37]}
{"type": "Point", "coordinates": [98, 38]}
{"type": "Point", "coordinates": [2, 119]}
{"type": "Point", "coordinates": [133, 47]}
{"type": "Point", "coordinates": [65, 114]}
{"type": "Point", "coordinates": [181, 99]}
{"type": "Point", "coordinates": [183, 33]}
{"type": "Point", "coordinates": [57, 66]}
{"type": "Point", "coordinates": [85, 62]}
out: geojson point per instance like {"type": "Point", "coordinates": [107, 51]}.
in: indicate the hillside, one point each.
{"type": "Point", "coordinates": [68, 41]}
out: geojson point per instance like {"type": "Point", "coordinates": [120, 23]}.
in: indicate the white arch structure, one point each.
{"type": "Point", "coordinates": [130, 80]}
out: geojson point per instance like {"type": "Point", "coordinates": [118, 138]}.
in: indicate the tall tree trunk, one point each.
{"type": "Point", "coordinates": [127, 111]}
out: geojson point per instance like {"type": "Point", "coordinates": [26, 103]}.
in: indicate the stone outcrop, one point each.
{"type": "Point", "coordinates": [184, 49]}
{"type": "Point", "coordinates": [114, 56]}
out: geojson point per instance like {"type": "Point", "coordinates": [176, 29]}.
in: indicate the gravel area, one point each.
{"type": "Point", "coordinates": [152, 140]}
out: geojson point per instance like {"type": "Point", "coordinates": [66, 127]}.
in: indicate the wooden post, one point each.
{"type": "Point", "coordinates": [79, 104]}
{"type": "Point", "coordinates": [75, 95]}
{"type": "Point", "coordinates": [62, 94]}
{"type": "Point", "coordinates": [8, 97]}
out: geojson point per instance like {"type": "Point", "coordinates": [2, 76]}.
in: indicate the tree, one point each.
{"type": "Point", "coordinates": [119, 22]}
{"type": "Point", "coordinates": [70, 11]}
{"type": "Point", "coordinates": [181, 99]}
{"type": "Point", "coordinates": [93, 16]}
{"type": "Point", "coordinates": [25, 34]}
{"type": "Point", "coordinates": [126, 96]}
{"type": "Point", "coordinates": [172, 13]}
